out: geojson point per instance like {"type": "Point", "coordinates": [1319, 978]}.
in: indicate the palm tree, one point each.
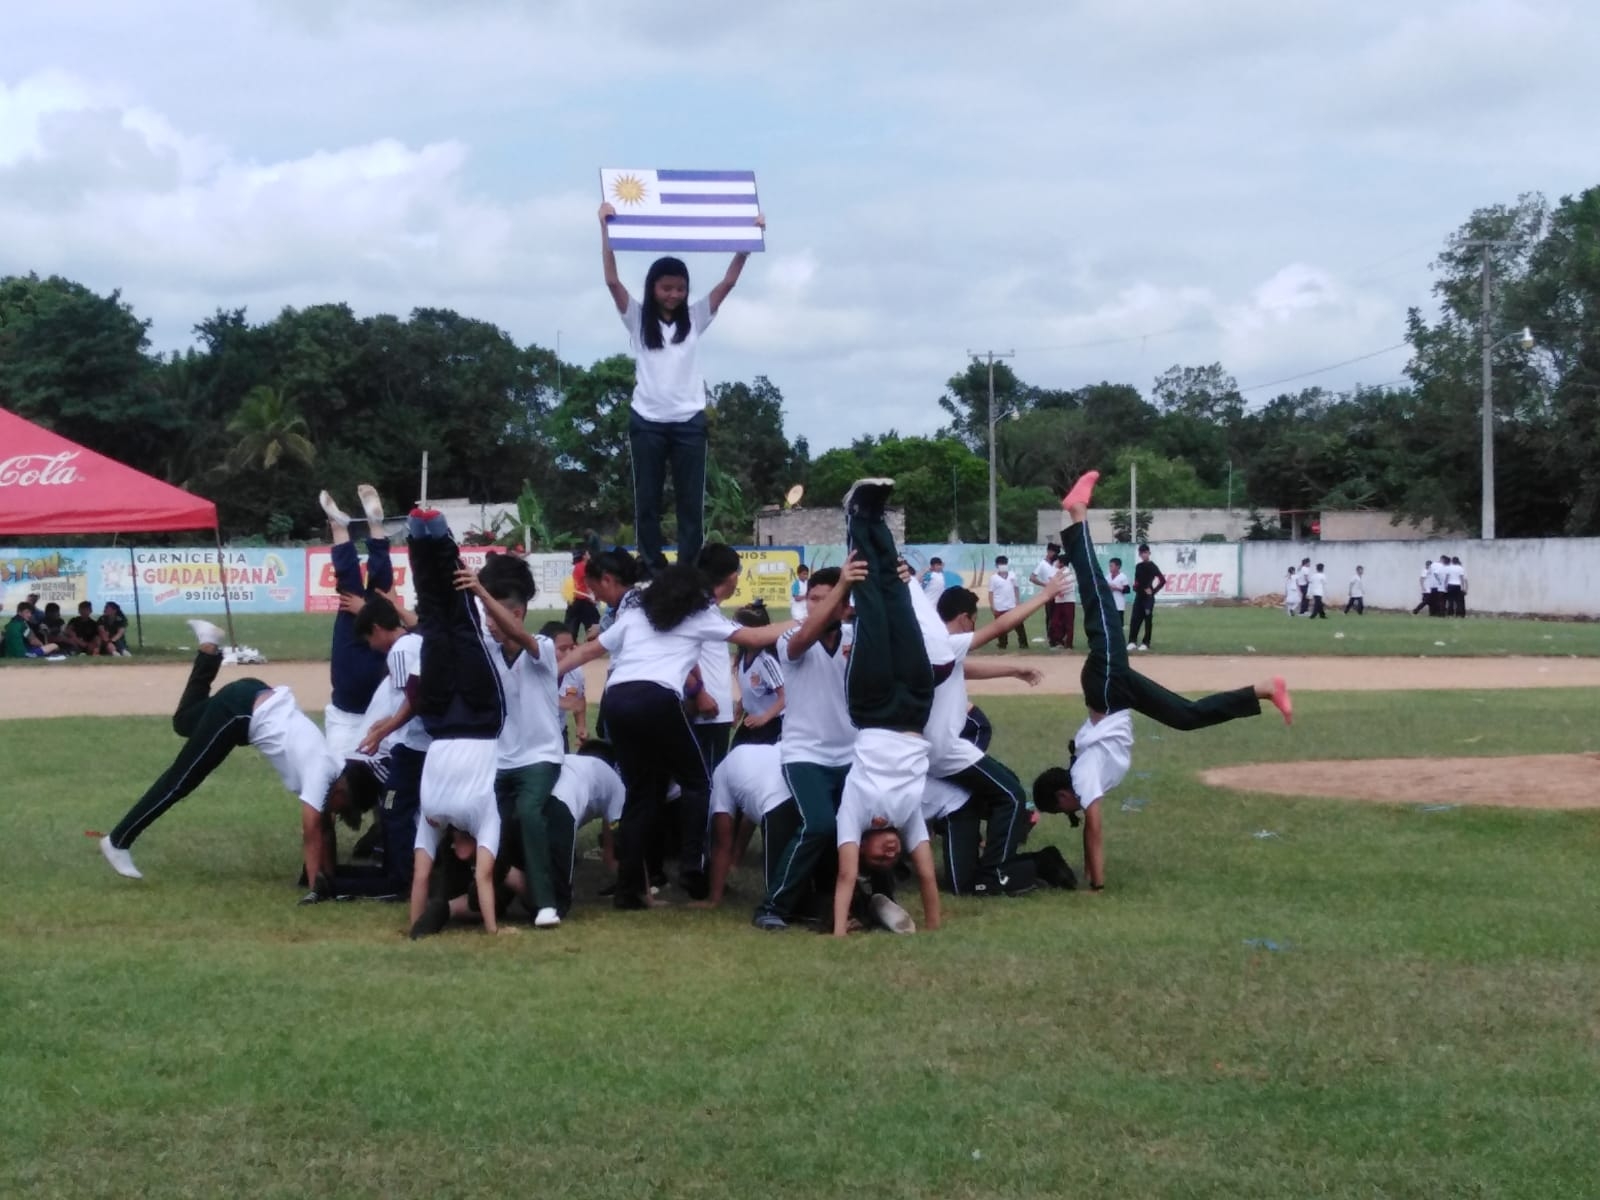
{"type": "Point", "coordinates": [268, 426]}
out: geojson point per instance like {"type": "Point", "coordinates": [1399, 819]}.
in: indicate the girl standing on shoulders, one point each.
{"type": "Point", "coordinates": [667, 427]}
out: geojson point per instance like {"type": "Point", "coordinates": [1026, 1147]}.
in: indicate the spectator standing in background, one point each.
{"type": "Point", "coordinates": [1358, 593]}
{"type": "Point", "coordinates": [1065, 608]}
{"type": "Point", "coordinates": [1147, 584]}
{"type": "Point", "coordinates": [1319, 591]}
{"type": "Point", "coordinates": [1427, 570]}
{"type": "Point", "coordinates": [1302, 580]}
{"type": "Point", "coordinates": [1120, 587]}
{"type": "Point", "coordinates": [1003, 598]}
{"type": "Point", "coordinates": [1041, 575]}
{"type": "Point", "coordinates": [1455, 601]}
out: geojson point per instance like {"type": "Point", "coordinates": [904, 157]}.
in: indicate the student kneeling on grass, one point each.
{"type": "Point", "coordinates": [1113, 691]}
{"type": "Point", "coordinates": [889, 686]}
{"type": "Point", "coordinates": [246, 712]}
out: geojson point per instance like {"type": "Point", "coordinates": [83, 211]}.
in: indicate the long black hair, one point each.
{"type": "Point", "coordinates": [650, 315]}
{"type": "Point", "coordinates": [677, 593]}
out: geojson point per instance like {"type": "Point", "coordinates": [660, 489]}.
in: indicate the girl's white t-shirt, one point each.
{"type": "Point", "coordinates": [641, 653]}
{"type": "Point", "coordinates": [668, 384]}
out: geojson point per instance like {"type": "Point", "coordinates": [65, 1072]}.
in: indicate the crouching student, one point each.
{"type": "Point", "coordinates": [889, 686]}
{"type": "Point", "coordinates": [748, 791]}
{"type": "Point", "coordinates": [589, 789]}
{"type": "Point", "coordinates": [462, 707]}
{"type": "Point", "coordinates": [244, 712]}
{"type": "Point", "coordinates": [1113, 692]}
{"type": "Point", "coordinates": [530, 750]}
{"type": "Point", "coordinates": [949, 811]}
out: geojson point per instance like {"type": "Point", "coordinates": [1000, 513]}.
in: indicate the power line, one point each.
{"type": "Point", "coordinates": [1256, 387]}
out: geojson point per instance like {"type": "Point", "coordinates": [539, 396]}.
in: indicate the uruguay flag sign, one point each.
{"type": "Point", "coordinates": [682, 210]}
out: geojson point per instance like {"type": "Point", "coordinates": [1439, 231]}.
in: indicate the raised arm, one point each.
{"type": "Point", "coordinates": [1006, 622]}
{"type": "Point", "coordinates": [608, 259]}
{"type": "Point", "coordinates": [759, 637]}
{"type": "Point", "coordinates": [720, 292]}
{"type": "Point", "coordinates": [994, 668]}
{"type": "Point", "coordinates": [504, 619]}
{"type": "Point", "coordinates": [579, 655]}
{"type": "Point", "coordinates": [820, 616]}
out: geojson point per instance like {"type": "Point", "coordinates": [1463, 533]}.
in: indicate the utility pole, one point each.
{"type": "Point", "coordinates": [1486, 519]}
{"type": "Point", "coordinates": [991, 355]}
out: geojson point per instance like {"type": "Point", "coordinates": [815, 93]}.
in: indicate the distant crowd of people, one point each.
{"type": "Point", "coordinates": [33, 632]}
{"type": "Point", "coordinates": [1444, 588]}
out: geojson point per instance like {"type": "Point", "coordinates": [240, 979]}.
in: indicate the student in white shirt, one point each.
{"type": "Point", "coordinates": [1291, 594]}
{"type": "Point", "coordinates": [1422, 580]}
{"type": "Point", "coordinates": [667, 425]}
{"type": "Point", "coordinates": [1113, 692]}
{"type": "Point", "coordinates": [890, 693]}
{"type": "Point", "coordinates": [1041, 575]}
{"type": "Point", "coordinates": [244, 712]}
{"type": "Point", "coordinates": [714, 718]}
{"type": "Point", "coordinates": [814, 747]}
{"type": "Point", "coordinates": [797, 593]}
{"type": "Point", "coordinates": [1357, 595]}
{"type": "Point", "coordinates": [530, 751]}
{"type": "Point", "coordinates": [758, 713]}
{"type": "Point", "coordinates": [1302, 580]}
{"type": "Point", "coordinates": [1120, 585]}
{"type": "Point", "coordinates": [935, 579]}
{"type": "Point", "coordinates": [1436, 591]}
{"type": "Point", "coordinates": [1003, 598]}
{"type": "Point", "coordinates": [998, 802]}
{"type": "Point", "coordinates": [1455, 592]}
{"type": "Point", "coordinates": [748, 792]}
{"type": "Point", "coordinates": [572, 691]}
{"type": "Point", "coordinates": [1319, 591]}
{"type": "Point", "coordinates": [589, 789]}
{"type": "Point", "coordinates": [654, 646]}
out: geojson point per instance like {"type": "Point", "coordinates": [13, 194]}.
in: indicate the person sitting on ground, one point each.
{"type": "Point", "coordinates": [1113, 691]}
{"type": "Point", "coordinates": [52, 627]}
{"type": "Point", "coordinates": [114, 627]}
{"type": "Point", "coordinates": [83, 633]}
{"type": "Point", "coordinates": [20, 640]}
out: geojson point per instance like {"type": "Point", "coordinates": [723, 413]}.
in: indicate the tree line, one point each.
{"type": "Point", "coordinates": [258, 416]}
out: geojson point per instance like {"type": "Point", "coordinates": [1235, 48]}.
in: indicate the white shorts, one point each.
{"type": "Point", "coordinates": [458, 789]}
{"type": "Point", "coordinates": [343, 730]}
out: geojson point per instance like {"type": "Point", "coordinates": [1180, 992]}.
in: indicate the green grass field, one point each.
{"type": "Point", "coordinates": [1429, 1028]}
{"type": "Point", "coordinates": [1181, 630]}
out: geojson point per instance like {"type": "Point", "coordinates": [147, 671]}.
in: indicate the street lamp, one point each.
{"type": "Point", "coordinates": [1523, 338]}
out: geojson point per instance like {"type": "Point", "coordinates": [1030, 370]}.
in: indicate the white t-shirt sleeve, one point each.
{"type": "Point", "coordinates": [614, 638]}
{"type": "Point", "coordinates": [631, 317]}
{"type": "Point", "coordinates": [700, 314]}
{"type": "Point", "coordinates": [488, 832]}
{"type": "Point", "coordinates": [427, 838]}
{"type": "Point", "coordinates": [913, 832]}
{"type": "Point", "coordinates": [709, 625]}
{"type": "Point", "coordinates": [722, 797]}
{"type": "Point", "coordinates": [851, 823]}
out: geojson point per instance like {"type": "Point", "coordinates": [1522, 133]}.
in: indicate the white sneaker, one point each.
{"type": "Point", "coordinates": [207, 633]}
{"type": "Point", "coordinates": [546, 918]}
{"type": "Point", "coordinates": [335, 514]}
{"type": "Point", "coordinates": [1143, 647]}
{"type": "Point", "coordinates": [890, 915]}
{"type": "Point", "coordinates": [121, 861]}
{"type": "Point", "coordinates": [370, 504]}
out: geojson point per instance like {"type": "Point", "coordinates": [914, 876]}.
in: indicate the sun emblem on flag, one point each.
{"type": "Point", "coordinates": [628, 189]}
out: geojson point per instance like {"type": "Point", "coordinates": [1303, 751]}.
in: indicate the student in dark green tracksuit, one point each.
{"type": "Point", "coordinates": [815, 747]}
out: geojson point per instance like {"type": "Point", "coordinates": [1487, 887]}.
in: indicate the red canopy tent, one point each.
{"type": "Point", "coordinates": [49, 484]}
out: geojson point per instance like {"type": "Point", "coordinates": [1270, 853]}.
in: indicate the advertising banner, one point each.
{"type": "Point", "coordinates": [322, 591]}
{"type": "Point", "coordinates": [259, 579]}
{"type": "Point", "coordinates": [58, 576]}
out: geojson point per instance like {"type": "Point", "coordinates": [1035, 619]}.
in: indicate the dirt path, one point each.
{"type": "Point", "coordinates": [117, 688]}
{"type": "Point", "coordinates": [1562, 781]}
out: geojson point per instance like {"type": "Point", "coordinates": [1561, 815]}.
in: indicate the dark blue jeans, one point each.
{"type": "Point", "coordinates": [656, 446]}
{"type": "Point", "coordinates": [357, 669]}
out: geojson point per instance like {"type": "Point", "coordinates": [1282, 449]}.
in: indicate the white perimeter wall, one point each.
{"type": "Point", "coordinates": [1552, 576]}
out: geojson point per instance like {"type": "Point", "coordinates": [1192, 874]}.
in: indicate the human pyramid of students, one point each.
{"type": "Point", "coordinates": [855, 734]}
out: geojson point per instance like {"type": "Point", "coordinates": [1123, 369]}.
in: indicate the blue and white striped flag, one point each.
{"type": "Point", "coordinates": [682, 210]}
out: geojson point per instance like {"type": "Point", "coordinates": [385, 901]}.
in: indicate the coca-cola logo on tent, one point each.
{"type": "Point", "coordinates": [46, 470]}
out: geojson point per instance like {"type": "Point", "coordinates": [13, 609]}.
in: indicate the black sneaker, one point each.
{"type": "Point", "coordinates": [1053, 869]}
{"type": "Point", "coordinates": [868, 497]}
{"type": "Point", "coordinates": [696, 884]}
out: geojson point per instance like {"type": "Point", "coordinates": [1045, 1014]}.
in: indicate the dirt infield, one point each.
{"type": "Point", "coordinates": [122, 688]}
{"type": "Point", "coordinates": [1528, 781]}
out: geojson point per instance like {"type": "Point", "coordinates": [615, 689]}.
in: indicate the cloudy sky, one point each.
{"type": "Point", "coordinates": [1107, 186]}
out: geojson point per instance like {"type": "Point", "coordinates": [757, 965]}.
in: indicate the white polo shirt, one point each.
{"type": "Point", "coordinates": [1041, 574]}
{"type": "Point", "coordinates": [935, 637]}
{"type": "Point", "coordinates": [591, 789]}
{"type": "Point", "coordinates": [816, 715]}
{"type": "Point", "coordinates": [1453, 575]}
{"type": "Point", "coordinates": [1068, 594]}
{"type": "Point", "coordinates": [405, 664]}
{"type": "Point", "coordinates": [716, 674]}
{"type": "Point", "coordinates": [295, 747]}
{"type": "Point", "coordinates": [641, 653]}
{"type": "Point", "coordinates": [1358, 588]}
{"type": "Point", "coordinates": [1002, 592]}
{"type": "Point", "coordinates": [1319, 584]}
{"type": "Point", "coordinates": [749, 781]}
{"type": "Point", "coordinates": [884, 788]}
{"type": "Point", "coordinates": [532, 730]}
{"type": "Point", "coordinates": [1119, 597]}
{"type": "Point", "coordinates": [948, 752]}
{"type": "Point", "coordinates": [668, 384]}
{"type": "Point", "coordinates": [1105, 752]}
{"type": "Point", "coordinates": [572, 686]}
{"type": "Point", "coordinates": [940, 798]}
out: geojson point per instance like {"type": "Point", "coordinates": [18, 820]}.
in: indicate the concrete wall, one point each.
{"type": "Point", "coordinates": [1166, 524]}
{"type": "Point", "coordinates": [1551, 576]}
{"type": "Point", "coordinates": [808, 526]}
{"type": "Point", "coordinates": [1378, 527]}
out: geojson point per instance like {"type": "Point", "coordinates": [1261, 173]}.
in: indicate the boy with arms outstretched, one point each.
{"type": "Point", "coordinates": [1113, 691]}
